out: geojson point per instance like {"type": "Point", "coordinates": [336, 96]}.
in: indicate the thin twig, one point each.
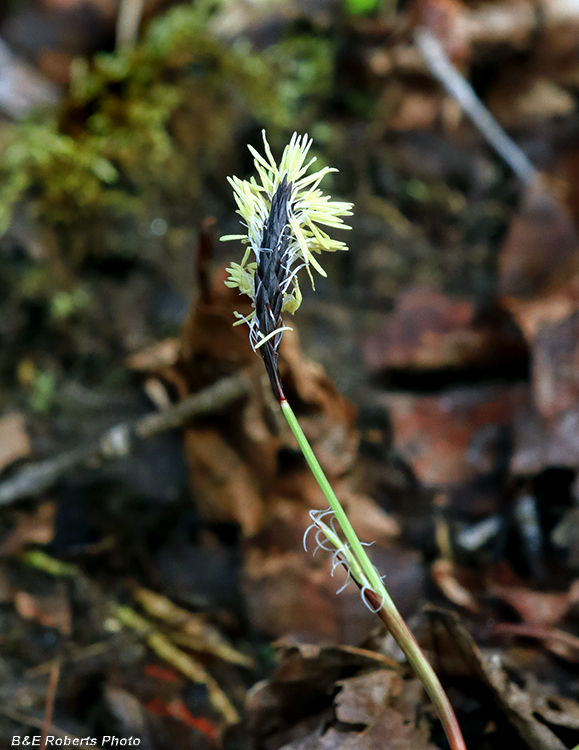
{"type": "Point", "coordinates": [537, 632]}
{"type": "Point", "coordinates": [212, 399]}
{"type": "Point", "coordinates": [458, 87]}
{"type": "Point", "coordinates": [50, 697]}
{"type": "Point", "coordinates": [80, 654]}
{"type": "Point", "coordinates": [128, 22]}
{"type": "Point", "coordinates": [35, 478]}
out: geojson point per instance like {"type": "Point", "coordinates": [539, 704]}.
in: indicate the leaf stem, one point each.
{"type": "Point", "coordinates": [378, 597]}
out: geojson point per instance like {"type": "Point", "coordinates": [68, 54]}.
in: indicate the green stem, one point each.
{"type": "Point", "coordinates": [379, 596]}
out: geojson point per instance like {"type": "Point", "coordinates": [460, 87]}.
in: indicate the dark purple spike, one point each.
{"type": "Point", "coordinates": [269, 278]}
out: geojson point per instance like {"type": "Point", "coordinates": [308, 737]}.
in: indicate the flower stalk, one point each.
{"type": "Point", "coordinates": [282, 215]}
{"type": "Point", "coordinates": [374, 592]}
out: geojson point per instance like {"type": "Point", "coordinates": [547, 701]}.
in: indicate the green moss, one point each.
{"type": "Point", "coordinates": [37, 155]}
{"type": "Point", "coordinates": [145, 125]}
{"type": "Point", "coordinates": [43, 391]}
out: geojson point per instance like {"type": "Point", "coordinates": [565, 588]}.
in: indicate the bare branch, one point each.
{"type": "Point", "coordinates": [35, 478]}
{"type": "Point", "coordinates": [128, 22]}
{"type": "Point", "coordinates": [458, 87]}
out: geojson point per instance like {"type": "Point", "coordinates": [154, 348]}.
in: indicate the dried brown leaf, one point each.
{"type": "Point", "coordinates": [443, 574]}
{"type": "Point", "coordinates": [284, 594]}
{"type": "Point", "coordinates": [14, 440]}
{"type": "Point", "coordinates": [559, 642]}
{"type": "Point", "coordinates": [227, 491]}
{"type": "Point", "coordinates": [328, 420]}
{"type": "Point", "coordinates": [156, 357]}
{"type": "Point", "coordinates": [522, 96]}
{"type": "Point", "coordinates": [541, 251]}
{"type": "Point", "coordinates": [418, 110]}
{"type": "Point", "coordinates": [291, 591]}
{"type": "Point", "coordinates": [51, 611]}
{"type": "Point", "coordinates": [429, 330]}
{"type": "Point", "coordinates": [543, 608]}
{"type": "Point", "coordinates": [391, 731]}
{"type": "Point", "coordinates": [372, 524]}
{"type": "Point", "coordinates": [31, 528]}
{"type": "Point", "coordinates": [454, 437]}
{"type": "Point", "coordinates": [305, 676]}
{"type": "Point", "coordinates": [361, 699]}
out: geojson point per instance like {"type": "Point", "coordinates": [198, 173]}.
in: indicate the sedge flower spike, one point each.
{"type": "Point", "coordinates": [282, 213]}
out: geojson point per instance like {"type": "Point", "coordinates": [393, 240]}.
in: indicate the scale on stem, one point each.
{"type": "Point", "coordinates": [282, 214]}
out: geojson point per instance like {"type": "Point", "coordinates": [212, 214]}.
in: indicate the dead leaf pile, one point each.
{"type": "Point", "coordinates": [532, 709]}
{"type": "Point", "coordinates": [308, 703]}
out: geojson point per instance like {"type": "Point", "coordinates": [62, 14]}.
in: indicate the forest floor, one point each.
{"type": "Point", "coordinates": [153, 581]}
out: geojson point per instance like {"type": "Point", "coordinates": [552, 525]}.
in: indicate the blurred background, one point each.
{"type": "Point", "coordinates": [153, 582]}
